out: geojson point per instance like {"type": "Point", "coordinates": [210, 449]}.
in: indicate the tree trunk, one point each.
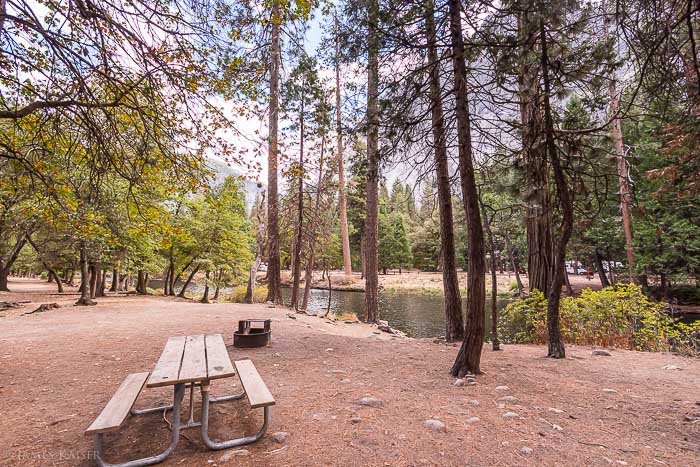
{"type": "Point", "coordinates": [454, 324]}
{"type": "Point", "coordinates": [6, 265]}
{"type": "Point", "coordinates": [567, 282]}
{"type": "Point", "coordinates": [495, 345]}
{"type": "Point", "coordinates": [115, 279]}
{"type": "Point", "coordinates": [166, 281]}
{"type": "Point", "coordinates": [85, 298]}
{"type": "Point", "coordinates": [556, 346]}
{"type": "Point", "coordinates": [218, 286]}
{"type": "Point", "coordinates": [274, 287]}
{"type": "Point", "coordinates": [342, 202]}
{"type": "Point", "coordinates": [141, 282]}
{"type": "Point", "coordinates": [205, 297]}
{"type": "Point", "coordinates": [296, 268]}
{"type": "Point", "coordinates": [59, 283]}
{"type": "Point", "coordinates": [308, 279]}
{"type": "Point", "coordinates": [621, 161]}
{"type": "Point", "coordinates": [71, 278]}
{"type": "Point", "coordinates": [371, 232]}
{"type": "Point", "coordinates": [469, 355]}
{"type": "Point", "coordinates": [515, 265]}
{"type": "Point", "coordinates": [597, 257]}
{"type": "Point", "coordinates": [537, 197]}
{"type": "Point", "coordinates": [187, 282]}
{"type": "Point", "coordinates": [101, 280]}
{"type": "Point", "coordinates": [260, 239]}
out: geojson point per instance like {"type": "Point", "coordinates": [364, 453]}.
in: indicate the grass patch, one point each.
{"type": "Point", "coordinates": [238, 294]}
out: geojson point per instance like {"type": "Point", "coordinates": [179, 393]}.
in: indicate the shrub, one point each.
{"type": "Point", "coordinates": [238, 294]}
{"type": "Point", "coordinates": [620, 316]}
{"type": "Point", "coordinates": [513, 286]}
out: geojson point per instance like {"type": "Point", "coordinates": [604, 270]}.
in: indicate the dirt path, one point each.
{"type": "Point", "coordinates": [58, 369]}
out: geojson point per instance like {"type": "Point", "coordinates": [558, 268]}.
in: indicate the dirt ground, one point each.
{"type": "Point", "coordinates": [59, 368]}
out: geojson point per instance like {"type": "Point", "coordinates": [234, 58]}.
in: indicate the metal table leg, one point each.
{"type": "Point", "coordinates": [232, 397]}
{"type": "Point", "coordinates": [217, 445]}
{"type": "Point", "coordinates": [178, 394]}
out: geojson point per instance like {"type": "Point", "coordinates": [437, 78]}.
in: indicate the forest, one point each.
{"type": "Point", "coordinates": [531, 136]}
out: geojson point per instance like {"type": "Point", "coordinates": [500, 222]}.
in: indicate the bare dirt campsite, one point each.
{"type": "Point", "coordinates": [60, 367]}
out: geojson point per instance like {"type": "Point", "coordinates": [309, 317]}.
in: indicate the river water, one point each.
{"type": "Point", "coordinates": [418, 315]}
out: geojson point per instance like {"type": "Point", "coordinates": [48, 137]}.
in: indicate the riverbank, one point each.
{"type": "Point", "coordinates": [60, 367]}
{"type": "Point", "coordinates": [425, 282]}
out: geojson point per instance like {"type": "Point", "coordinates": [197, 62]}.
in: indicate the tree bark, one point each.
{"type": "Point", "coordinates": [166, 280]}
{"type": "Point", "coordinates": [71, 278]}
{"type": "Point", "coordinates": [514, 263]}
{"type": "Point", "coordinates": [85, 298]}
{"type": "Point", "coordinates": [309, 273]}
{"type": "Point", "coordinates": [597, 257]}
{"type": "Point", "coordinates": [6, 265]}
{"type": "Point", "coordinates": [100, 279]}
{"type": "Point", "coordinates": [537, 197]}
{"type": "Point", "coordinates": [567, 282]}
{"type": "Point", "coordinates": [187, 282]}
{"type": "Point", "coordinates": [469, 355]}
{"type": "Point", "coordinates": [296, 269]}
{"type": "Point", "coordinates": [342, 202]}
{"type": "Point", "coordinates": [115, 279]}
{"type": "Point", "coordinates": [141, 282]}
{"type": "Point", "coordinates": [371, 231]}
{"type": "Point", "coordinates": [454, 324]}
{"type": "Point", "coordinates": [205, 297]}
{"type": "Point", "coordinates": [621, 161]}
{"type": "Point", "coordinates": [495, 345]}
{"type": "Point", "coordinates": [274, 286]}
{"type": "Point", "coordinates": [260, 239]}
{"type": "Point", "coordinates": [556, 346]}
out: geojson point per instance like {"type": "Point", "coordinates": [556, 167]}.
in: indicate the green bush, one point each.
{"type": "Point", "coordinates": [620, 316]}
{"type": "Point", "coordinates": [238, 294]}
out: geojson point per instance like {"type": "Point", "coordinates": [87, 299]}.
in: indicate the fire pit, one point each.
{"type": "Point", "coordinates": [252, 333]}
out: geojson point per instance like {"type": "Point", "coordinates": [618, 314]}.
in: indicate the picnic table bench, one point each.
{"type": "Point", "coordinates": [186, 362]}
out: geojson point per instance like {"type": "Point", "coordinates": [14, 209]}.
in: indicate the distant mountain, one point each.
{"type": "Point", "coordinates": [223, 170]}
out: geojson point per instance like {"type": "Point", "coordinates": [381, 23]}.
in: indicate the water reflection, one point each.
{"type": "Point", "coordinates": [418, 315]}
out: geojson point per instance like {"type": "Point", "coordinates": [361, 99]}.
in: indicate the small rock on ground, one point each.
{"type": "Point", "coordinates": [526, 451]}
{"type": "Point", "coordinates": [502, 388]}
{"type": "Point", "coordinates": [280, 437]}
{"type": "Point", "coordinates": [355, 420]}
{"type": "Point", "coordinates": [459, 382]}
{"type": "Point", "coordinates": [510, 415]}
{"type": "Point", "coordinates": [610, 391]}
{"type": "Point", "coordinates": [601, 353]}
{"type": "Point", "coordinates": [435, 425]}
{"type": "Point", "coordinates": [471, 420]}
{"type": "Point", "coordinates": [555, 410]}
{"type": "Point", "coordinates": [473, 402]}
{"type": "Point", "coordinates": [371, 402]}
{"type": "Point", "coordinates": [507, 399]}
{"type": "Point", "coordinates": [231, 454]}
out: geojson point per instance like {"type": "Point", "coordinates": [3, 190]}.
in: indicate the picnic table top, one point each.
{"type": "Point", "coordinates": [187, 359]}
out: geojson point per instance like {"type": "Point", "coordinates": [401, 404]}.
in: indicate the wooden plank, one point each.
{"type": "Point", "coordinates": [168, 367]}
{"type": "Point", "coordinates": [194, 361]}
{"type": "Point", "coordinates": [115, 412]}
{"type": "Point", "coordinates": [255, 388]}
{"type": "Point", "coordinates": [218, 362]}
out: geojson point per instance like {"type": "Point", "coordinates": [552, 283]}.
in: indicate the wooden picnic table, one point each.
{"type": "Point", "coordinates": [191, 359]}
{"type": "Point", "coordinates": [186, 361]}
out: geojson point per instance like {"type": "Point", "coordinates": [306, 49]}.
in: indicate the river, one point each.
{"type": "Point", "coordinates": [418, 315]}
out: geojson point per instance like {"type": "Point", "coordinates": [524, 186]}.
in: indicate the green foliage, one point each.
{"type": "Point", "coordinates": [620, 316]}
{"type": "Point", "coordinates": [238, 294]}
